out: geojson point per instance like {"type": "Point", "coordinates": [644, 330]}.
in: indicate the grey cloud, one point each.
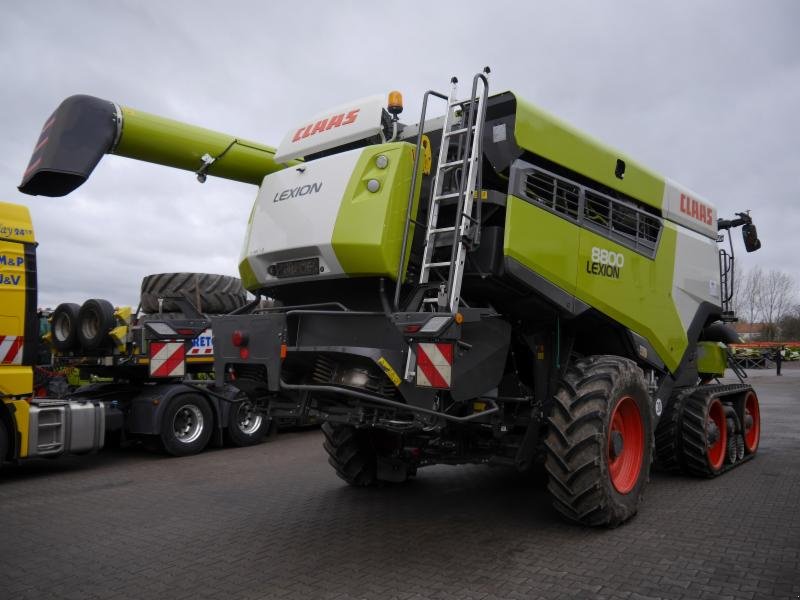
{"type": "Point", "coordinates": [705, 93]}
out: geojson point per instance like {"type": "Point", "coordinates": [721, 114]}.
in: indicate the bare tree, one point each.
{"type": "Point", "coordinates": [774, 298]}
{"type": "Point", "coordinates": [750, 291]}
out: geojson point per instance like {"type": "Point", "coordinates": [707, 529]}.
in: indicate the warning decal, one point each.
{"type": "Point", "coordinates": [434, 365]}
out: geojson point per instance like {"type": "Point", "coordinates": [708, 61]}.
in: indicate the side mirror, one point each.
{"type": "Point", "coordinates": [750, 237]}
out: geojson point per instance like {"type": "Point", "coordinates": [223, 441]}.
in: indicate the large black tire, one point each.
{"type": "Point", "coordinates": [186, 425]}
{"type": "Point", "coordinates": [350, 455]}
{"type": "Point", "coordinates": [4, 442]}
{"type": "Point", "coordinates": [218, 293]}
{"type": "Point", "coordinates": [599, 441]}
{"type": "Point", "coordinates": [95, 319]}
{"type": "Point", "coordinates": [64, 326]}
{"type": "Point", "coordinates": [246, 426]}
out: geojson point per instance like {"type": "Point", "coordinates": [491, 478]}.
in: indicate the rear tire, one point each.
{"type": "Point", "coordinates": [4, 442]}
{"type": "Point", "coordinates": [599, 441]}
{"type": "Point", "coordinates": [217, 293]}
{"type": "Point", "coordinates": [186, 425]}
{"type": "Point", "coordinates": [353, 459]}
{"type": "Point", "coordinates": [246, 426]}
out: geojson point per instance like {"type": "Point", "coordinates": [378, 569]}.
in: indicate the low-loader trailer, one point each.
{"type": "Point", "coordinates": [154, 369]}
{"type": "Point", "coordinates": [487, 286]}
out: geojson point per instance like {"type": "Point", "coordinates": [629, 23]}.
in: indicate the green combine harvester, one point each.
{"type": "Point", "coordinates": [487, 286]}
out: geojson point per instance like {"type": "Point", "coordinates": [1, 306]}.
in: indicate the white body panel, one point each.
{"type": "Point", "coordinates": [696, 276]}
{"type": "Point", "coordinates": [335, 127]}
{"type": "Point", "coordinates": [295, 214]}
{"type": "Point", "coordinates": [681, 205]}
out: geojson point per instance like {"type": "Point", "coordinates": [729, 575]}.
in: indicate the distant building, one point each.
{"type": "Point", "coordinates": [750, 332]}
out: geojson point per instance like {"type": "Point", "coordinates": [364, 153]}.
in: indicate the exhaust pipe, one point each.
{"type": "Point", "coordinates": [84, 128]}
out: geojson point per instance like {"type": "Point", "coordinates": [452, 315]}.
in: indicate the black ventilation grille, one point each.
{"type": "Point", "coordinates": [614, 218]}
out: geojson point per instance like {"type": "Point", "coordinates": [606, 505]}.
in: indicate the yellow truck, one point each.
{"type": "Point", "coordinates": [153, 368]}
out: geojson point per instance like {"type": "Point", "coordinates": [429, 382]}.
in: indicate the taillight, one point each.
{"type": "Point", "coordinates": [239, 338]}
{"type": "Point", "coordinates": [244, 353]}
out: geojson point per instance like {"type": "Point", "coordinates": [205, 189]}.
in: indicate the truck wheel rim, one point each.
{"type": "Point", "coordinates": [716, 421]}
{"type": "Point", "coordinates": [247, 419]}
{"type": "Point", "coordinates": [188, 424]}
{"type": "Point", "coordinates": [62, 328]}
{"type": "Point", "coordinates": [752, 421]}
{"type": "Point", "coordinates": [625, 445]}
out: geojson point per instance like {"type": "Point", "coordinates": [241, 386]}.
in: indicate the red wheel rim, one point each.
{"type": "Point", "coordinates": [752, 422]}
{"type": "Point", "coordinates": [625, 465]}
{"type": "Point", "coordinates": [716, 451]}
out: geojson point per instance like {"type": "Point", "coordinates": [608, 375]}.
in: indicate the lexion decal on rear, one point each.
{"type": "Point", "coordinates": [300, 190]}
{"type": "Point", "coordinates": [605, 263]}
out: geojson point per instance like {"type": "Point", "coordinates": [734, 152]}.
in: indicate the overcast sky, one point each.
{"type": "Point", "coordinates": [707, 93]}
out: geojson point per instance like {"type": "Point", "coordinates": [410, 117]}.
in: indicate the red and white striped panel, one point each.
{"type": "Point", "coordinates": [11, 349]}
{"type": "Point", "coordinates": [434, 365]}
{"type": "Point", "coordinates": [167, 359]}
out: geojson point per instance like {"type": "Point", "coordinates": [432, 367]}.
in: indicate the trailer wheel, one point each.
{"type": "Point", "coordinates": [599, 441]}
{"type": "Point", "coordinates": [217, 293]}
{"type": "Point", "coordinates": [353, 459]}
{"type": "Point", "coordinates": [65, 326]}
{"type": "Point", "coordinates": [247, 426]}
{"type": "Point", "coordinates": [186, 425]}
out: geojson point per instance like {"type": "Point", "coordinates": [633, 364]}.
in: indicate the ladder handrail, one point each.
{"type": "Point", "coordinates": [475, 154]}
{"type": "Point", "coordinates": [417, 154]}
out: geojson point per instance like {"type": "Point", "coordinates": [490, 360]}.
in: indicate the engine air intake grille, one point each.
{"type": "Point", "coordinates": [617, 219]}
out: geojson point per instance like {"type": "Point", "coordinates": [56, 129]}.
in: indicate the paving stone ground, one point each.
{"type": "Point", "coordinates": [273, 521]}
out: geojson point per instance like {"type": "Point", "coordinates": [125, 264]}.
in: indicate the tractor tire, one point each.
{"type": "Point", "coordinates": [218, 293]}
{"type": "Point", "coordinates": [600, 441]}
{"type": "Point", "coordinates": [353, 459]}
{"type": "Point", "coordinates": [186, 425]}
{"type": "Point", "coordinates": [246, 426]}
{"type": "Point", "coordinates": [64, 326]}
{"type": "Point", "coordinates": [704, 435]}
{"type": "Point", "coordinates": [95, 319]}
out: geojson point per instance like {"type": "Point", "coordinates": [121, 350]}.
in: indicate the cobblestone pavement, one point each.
{"type": "Point", "coordinates": [273, 521]}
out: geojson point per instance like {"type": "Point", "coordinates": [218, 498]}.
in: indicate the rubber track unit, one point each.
{"type": "Point", "coordinates": [680, 435]}
{"type": "Point", "coordinates": [577, 441]}
{"type": "Point", "coordinates": [351, 462]}
{"type": "Point", "coordinates": [217, 293]}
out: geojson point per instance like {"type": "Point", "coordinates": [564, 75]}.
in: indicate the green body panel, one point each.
{"type": "Point", "coordinates": [640, 297]}
{"type": "Point", "coordinates": [712, 358]}
{"type": "Point", "coordinates": [545, 135]}
{"type": "Point", "coordinates": [543, 242]}
{"type": "Point", "coordinates": [163, 141]}
{"type": "Point", "coordinates": [368, 233]}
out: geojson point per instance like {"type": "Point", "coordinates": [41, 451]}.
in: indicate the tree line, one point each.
{"type": "Point", "coordinates": [768, 298]}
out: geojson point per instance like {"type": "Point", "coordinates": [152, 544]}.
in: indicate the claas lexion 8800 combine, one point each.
{"type": "Point", "coordinates": [487, 286]}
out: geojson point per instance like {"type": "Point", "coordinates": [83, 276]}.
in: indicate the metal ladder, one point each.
{"type": "Point", "coordinates": [460, 232]}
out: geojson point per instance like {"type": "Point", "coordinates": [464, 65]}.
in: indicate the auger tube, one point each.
{"type": "Point", "coordinates": [84, 128]}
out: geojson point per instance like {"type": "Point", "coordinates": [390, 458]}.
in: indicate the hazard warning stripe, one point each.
{"type": "Point", "coordinates": [167, 359]}
{"type": "Point", "coordinates": [434, 365]}
{"type": "Point", "coordinates": [10, 346]}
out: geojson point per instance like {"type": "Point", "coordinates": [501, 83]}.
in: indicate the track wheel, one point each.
{"type": "Point", "coordinates": [752, 423]}
{"type": "Point", "coordinates": [704, 435]}
{"type": "Point", "coordinates": [599, 441]}
{"type": "Point", "coordinates": [350, 454]}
